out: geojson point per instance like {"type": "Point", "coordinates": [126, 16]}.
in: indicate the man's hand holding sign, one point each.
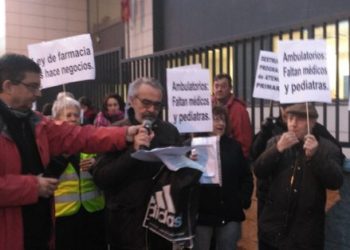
{"type": "Point", "coordinates": [295, 167]}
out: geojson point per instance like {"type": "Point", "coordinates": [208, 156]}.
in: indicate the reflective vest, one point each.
{"type": "Point", "coordinates": [74, 190]}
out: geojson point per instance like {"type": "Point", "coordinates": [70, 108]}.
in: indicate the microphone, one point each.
{"type": "Point", "coordinates": [147, 124]}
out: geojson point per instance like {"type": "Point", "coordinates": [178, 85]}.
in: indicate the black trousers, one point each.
{"type": "Point", "coordinates": [264, 246]}
{"type": "Point", "coordinates": [37, 248]}
{"type": "Point", "coordinates": [81, 231]}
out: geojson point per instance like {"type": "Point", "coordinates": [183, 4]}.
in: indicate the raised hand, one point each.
{"type": "Point", "coordinates": [143, 138]}
{"type": "Point", "coordinates": [310, 145]}
{"type": "Point", "coordinates": [85, 164]}
{"type": "Point", "coordinates": [287, 140]}
{"type": "Point", "coordinates": [132, 131]}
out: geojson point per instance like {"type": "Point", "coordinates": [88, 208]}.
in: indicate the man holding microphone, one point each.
{"type": "Point", "coordinates": [127, 182]}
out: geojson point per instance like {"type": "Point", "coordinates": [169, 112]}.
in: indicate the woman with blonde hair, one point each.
{"type": "Point", "coordinates": [79, 204]}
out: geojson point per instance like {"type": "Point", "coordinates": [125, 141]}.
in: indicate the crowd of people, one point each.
{"type": "Point", "coordinates": [71, 187]}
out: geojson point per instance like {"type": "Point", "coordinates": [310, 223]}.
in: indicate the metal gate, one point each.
{"type": "Point", "coordinates": [236, 56]}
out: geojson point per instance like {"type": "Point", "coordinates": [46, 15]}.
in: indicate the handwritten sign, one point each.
{"type": "Point", "coordinates": [267, 78]}
{"type": "Point", "coordinates": [303, 71]}
{"type": "Point", "coordinates": [64, 60]}
{"type": "Point", "coordinates": [189, 100]}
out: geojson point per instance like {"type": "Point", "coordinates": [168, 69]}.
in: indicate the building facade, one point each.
{"type": "Point", "coordinates": [32, 21]}
{"type": "Point", "coordinates": [134, 38]}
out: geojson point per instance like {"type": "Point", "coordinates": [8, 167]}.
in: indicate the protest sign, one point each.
{"type": "Point", "coordinates": [266, 79]}
{"type": "Point", "coordinates": [189, 100]}
{"type": "Point", "coordinates": [191, 66]}
{"type": "Point", "coordinates": [303, 71]}
{"type": "Point", "coordinates": [64, 60]}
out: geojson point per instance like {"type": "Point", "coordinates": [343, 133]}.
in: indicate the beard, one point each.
{"type": "Point", "coordinates": [149, 116]}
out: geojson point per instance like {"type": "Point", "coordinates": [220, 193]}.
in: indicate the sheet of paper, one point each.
{"type": "Point", "coordinates": [173, 157]}
{"type": "Point", "coordinates": [208, 151]}
{"type": "Point", "coordinates": [153, 154]}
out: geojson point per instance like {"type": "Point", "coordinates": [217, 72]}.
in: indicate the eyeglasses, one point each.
{"type": "Point", "coordinates": [31, 87]}
{"type": "Point", "coordinates": [148, 103]}
{"type": "Point", "coordinates": [218, 118]}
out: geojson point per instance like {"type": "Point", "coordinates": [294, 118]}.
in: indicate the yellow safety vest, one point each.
{"type": "Point", "coordinates": [72, 192]}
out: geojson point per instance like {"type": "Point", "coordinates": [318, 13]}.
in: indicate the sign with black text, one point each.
{"type": "Point", "coordinates": [189, 100]}
{"type": "Point", "coordinates": [303, 71]}
{"type": "Point", "coordinates": [64, 60]}
{"type": "Point", "coordinates": [266, 79]}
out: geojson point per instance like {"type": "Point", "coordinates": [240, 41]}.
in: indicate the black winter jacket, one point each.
{"type": "Point", "coordinates": [273, 127]}
{"type": "Point", "coordinates": [294, 212]}
{"type": "Point", "coordinates": [127, 183]}
{"type": "Point", "coordinates": [219, 205]}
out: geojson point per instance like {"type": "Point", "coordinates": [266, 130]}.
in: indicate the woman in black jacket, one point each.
{"type": "Point", "coordinates": [221, 207]}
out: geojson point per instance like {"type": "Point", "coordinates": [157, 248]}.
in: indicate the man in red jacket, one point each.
{"type": "Point", "coordinates": [27, 141]}
{"type": "Point", "coordinates": [241, 128]}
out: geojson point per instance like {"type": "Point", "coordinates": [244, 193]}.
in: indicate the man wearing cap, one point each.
{"type": "Point", "coordinates": [301, 167]}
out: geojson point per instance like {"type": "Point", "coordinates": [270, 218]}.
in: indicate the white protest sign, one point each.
{"type": "Point", "coordinates": [191, 66]}
{"type": "Point", "coordinates": [64, 60]}
{"type": "Point", "coordinates": [266, 79]}
{"type": "Point", "coordinates": [303, 71]}
{"type": "Point", "coordinates": [189, 100]}
{"type": "Point", "coordinates": [349, 102]}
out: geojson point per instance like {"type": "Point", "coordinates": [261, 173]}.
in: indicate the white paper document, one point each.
{"type": "Point", "coordinates": [208, 151]}
{"type": "Point", "coordinates": [173, 157]}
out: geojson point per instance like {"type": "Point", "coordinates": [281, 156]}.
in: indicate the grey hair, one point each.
{"type": "Point", "coordinates": [62, 103]}
{"type": "Point", "coordinates": [135, 85]}
{"type": "Point", "coordinates": [64, 93]}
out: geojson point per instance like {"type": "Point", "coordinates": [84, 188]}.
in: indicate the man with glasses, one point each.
{"type": "Point", "coordinates": [27, 141]}
{"type": "Point", "coordinates": [127, 182]}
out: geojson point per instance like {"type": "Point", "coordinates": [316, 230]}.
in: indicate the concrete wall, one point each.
{"type": "Point", "coordinates": [33, 21]}
{"type": "Point", "coordinates": [192, 22]}
{"type": "Point", "coordinates": [109, 37]}
{"type": "Point", "coordinates": [139, 30]}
